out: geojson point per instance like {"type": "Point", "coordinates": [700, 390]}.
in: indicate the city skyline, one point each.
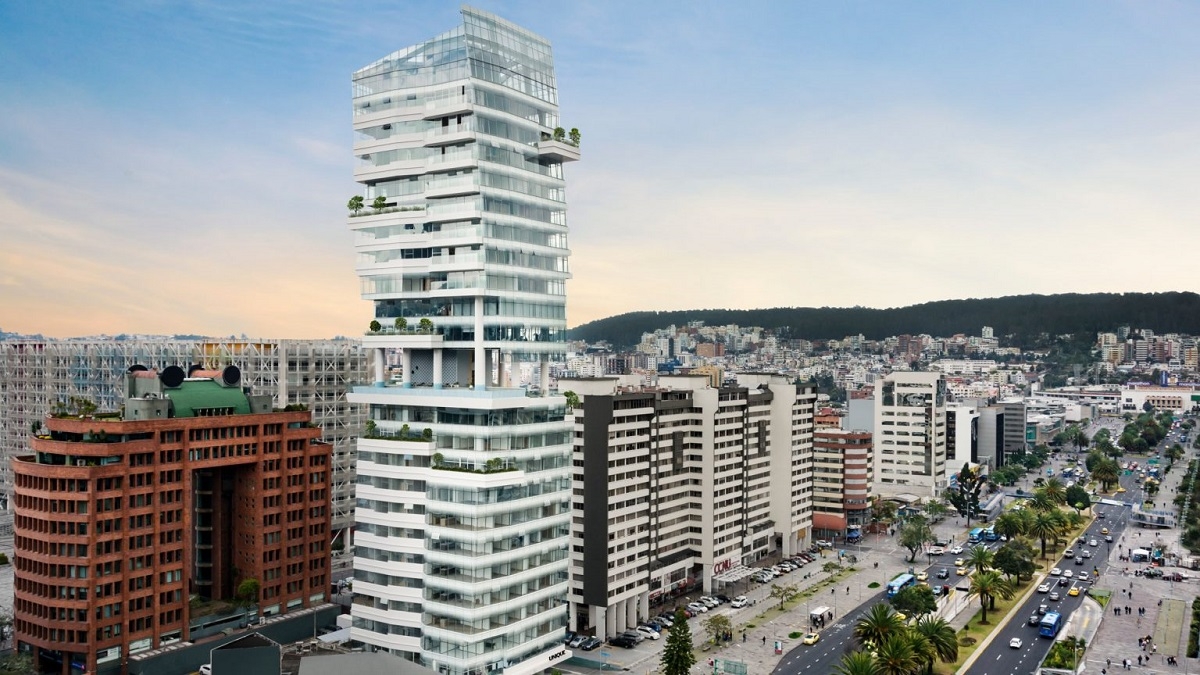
{"type": "Point", "coordinates": [182, 169]}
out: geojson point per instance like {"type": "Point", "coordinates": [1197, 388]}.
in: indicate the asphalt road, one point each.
{"type": "Point", "coordinates": [1000, 658]}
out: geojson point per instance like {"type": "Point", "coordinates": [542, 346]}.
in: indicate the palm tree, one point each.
{"type": "Point", "coordinates": [988, 585]}
{"type": "Point", "coordinates": [1107, 472]}
{"type": "Point", "coordinates": [940, 637]}
{"type": "Point", "coordinates": [896, 656]}
{"type": "Point", "coordinates": [1009, 524]}
{"type": "Point", "coordinates": [857, 663]}
{"type": "Point", "coordinates": [879, 623]}
{"type": "Point", "coordinates": [1056, 490]}
{"type": "Point", "coordinates": [1041, 501]}
{"type": "Point", "coordinates": [1045, 525]}
{"type": "Point", "coordinates": [980, 558]}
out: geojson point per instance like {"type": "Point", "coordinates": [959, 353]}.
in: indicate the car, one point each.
{"type": "Point", "coordinates": [901, 616]}
{"type": "Point", "coordinates": [571, 635]}
{"type": "Point", "coordinates": [922, 576]}
{"type": "Point", "coordinates": [623, 640]}
{"type": "Point", "coordinates": [1056, 572]}
{"type": "Point", "coordinates": [590, 644]}
{"type": "Point", "coordinates": [1074, 591]}
{"type": "Point", "coordinates": [962, 571]}
{"type": "Point", "coordinates": [1100, 515]}
{"type": "Point", "coordinates": [811, 638]}
{"type": "Point", "coordinates": [1108, 538]}
{"type": "Point", "coordinates": [1120, 490]}
{"type": "Point", "coordinates": [1093, 543]}
{"type": "Point", "coordinates": [1104, 530]}
{"type": "Point", "coordinates": [959, 562]}
{"type": "Point", "coordinates": [576, 641]}
{"type": "Point", "coordinates": [1062, 582]}
{"type": "Point", "coordinates": [722, 598]}
{"type": "Point", "coordinates": [206, 669]}
{"type": "Point", "coordinates": [1067, 574]}
{"type": "Point", "coordinates": [646, 631]}
{"type": "Point", "coordinates": [943, 573]}
{"type": "Point", "coordinates": [957, 549]}
{"type": "Point", "coordinates": [822, 543]}
{"type": "Point", "coordinates": [1043, 608]}
{"type": "Point", "coordinates": [937, 550]}
{"type": "Point", "coordinates": [1087, 553]}
{"type": "Point", "coordinates": [1034, 619]}
{"type": "Point", "coordinates": [1070, 553]}
{"type": "Point", "coordinates": [698, 607]}
{"type": "Point", "coordinates": [1044, 588]}
{"type": "Point", "coordinates": [710, 601]}
{"type": "Point", "coordinates": [1078, 561]}
{"type": "Point", "coordinates": [634, 635]}
{"type": "Point", "coordinates": [1054, 596]}
{"type": "Point", "coordinates": [1083, 576]}
{"type": "Point", "coordinates": [739, 602]}
{"type": "Point", "coordinates": [1015, 643]}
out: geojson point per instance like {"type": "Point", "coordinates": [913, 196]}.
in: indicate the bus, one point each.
{"type": "Point", "coordinates": [975, 536]}
{"type": "Point", "coordinates": [990, 534]}
{"type": "Point", "coordinates": [900, 583]}
{"type": "Point", "coordinates": [1050, 625]}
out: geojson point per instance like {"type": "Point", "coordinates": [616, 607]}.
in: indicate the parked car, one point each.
{"type": "Point", "coordinates": [623, 640]}
{"type": "Point", "coordinates": [590, 644]}
{"type": "Point", "coordinates": [569, 637]}
{"type": "Point", "coordinates": [576, 641]}
{"type": "Point", "coordinates": [665, 619]}
{"type": "Point", "coordinates": [647, 631]}
{"type": "Point", "coordinates": [637, 637]}
{"type": "Point", "coordinates": [739, 602]}
{"type": "Point", "coordinates": [722, 598]}
{"type": "Point", "coordinates": [698, 607]}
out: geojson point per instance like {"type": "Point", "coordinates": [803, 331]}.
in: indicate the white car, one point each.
{"type": "Point", "coordinates": [1067, 574]}
{"type": "Point", "coordinates": [697, 607]}
{"type": "Point", "coordinates": [710, 601]}
{"type": "Point", "coordinates": [739, 602]}
{"type": "Point", "coordinates": [1044, 588]}
{"type": "Point", "coordinates": [1056, 572]}
{"type": "Point", "coordinates": [648, 632]}
{"type": "Point", "coordinates": [957, 549]}
{"type": "Point", "coordinates": [1082, 576]}
{"type": "Point", "coordinates": [936, 550]}
{"type": "Point", "coordinates": [1015, 643]}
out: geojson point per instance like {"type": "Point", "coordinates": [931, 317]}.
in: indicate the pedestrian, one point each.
{"type": "Point", "coordinates": [765, 641]}
{"type": "Point", "coordinates": [743, 636]}
{"type": "Point", "coordinates": [847, 590]}
{"type": "Point", "coordinates": [1108, 662]}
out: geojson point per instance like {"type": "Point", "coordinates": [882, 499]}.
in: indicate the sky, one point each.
{"type": "Point", "coordinates": [172, 167]}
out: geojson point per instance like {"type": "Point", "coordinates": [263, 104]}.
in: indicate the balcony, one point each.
{"type": "Point", "coordinates": [445, 107]}
{"type": "Point", "coordinates": [450, 135]}
{"type": "Point", "coordinates": [559, 151]}
{"type": "Point", "coordinates": [458, 186]}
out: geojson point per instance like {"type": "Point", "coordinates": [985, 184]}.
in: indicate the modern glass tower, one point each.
{"type": "Point", "coordinates": [463, 494]}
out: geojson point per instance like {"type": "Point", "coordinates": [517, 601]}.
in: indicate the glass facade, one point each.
{"type": "Point", "coordinates": [463, 485]}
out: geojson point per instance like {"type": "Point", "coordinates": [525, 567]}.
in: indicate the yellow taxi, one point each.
{"type": "Point", "coordinates": [1120, 490]}
{"type": "Point", "coordinates": [811, 638]}
{"type": "Point", "coordinates": [922, 576]}
{"type": "Point", "coordinates": [1104, 530]}
{"type": "Point", "coordinates": [1074, 591]}
{"type": "Point", "coordinates": [959, 562]}
{"type": "Point", "coordinates": [902, 616]}
{"type": "Point", "coordinates": [962, 571]}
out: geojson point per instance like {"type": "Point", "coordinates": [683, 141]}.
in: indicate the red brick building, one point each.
{"type": "Point", "coordinates": [192, 488]}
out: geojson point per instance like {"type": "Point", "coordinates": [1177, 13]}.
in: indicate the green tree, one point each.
{"type": "Point", "coordinates": [1015, 560]}
{"type": "Point", "coordinates": [857, 663]}
{"type": "Point", "coordinates": [980, 558]}
{"type": "Point", "coordinates": [355, 204]}
{"type": "Point", "coordinates": [896, 656]}
{"type": "Point", "coordinates": [965, 497]}
{"type": "Point", "coordinates": [400, 323]}
{"type": "Point", "coordinates": [914, 534]}
{"type": "Point", "coordinates": [882, 510]}
{"type": "Point", "coordinates": [716, 625]}
{"type": "Point", "coordinates": [784, 592]}
{"type": "Point", "coordinates": [247, 591]}
{"type": "Point", "coordinates": [1044, 527]}
{"type": "Point", "coordinates": [425, 325]}
{"type": "Point", "coordinates": [677, 657]}
{"type": "Point", "coordinates": [937, 510]}
{"type": "Point", "coordinates": [575, 136]}
{"type": "Point", "coordinates": [1009, 524]}
{"type": "Point", "coordinates": [879, 623]}
{"type": "Point", "coordinates": [379, 204]}
{"type": "Point", "coordinates": [988, 585]}
{"type": "Point", "coordinates": [1107, 472]}
{"type": "Point", "coordinates": [375, 326]}
{"type": "Point", "coordinates": [1078, 497]}
{"type": "Point", "coordinates": [940, 636]}
{"type": "Point", "coordinates": [18, 664]}
{"type": "Point", "coordinates": [1056, 490]}
{"type": "Point", "coordinates": [572, 399]}
{"type": "Point", "coordinates": [560, 134]}
{"type": "Point", "coordinates": [914, 600]}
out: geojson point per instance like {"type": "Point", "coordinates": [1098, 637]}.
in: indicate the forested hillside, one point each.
{"type": "Point", "coordinates": [1019, 319]}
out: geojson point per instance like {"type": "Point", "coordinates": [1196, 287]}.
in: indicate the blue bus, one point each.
{"type": "Point", "coordinates": [975, 536]}
{"type": "Point", "coordinates": [990, 534]}
{"type": "Point", "coordinates": [1050, 625]}
{"type": "Point", "coordinates": [900, 583]}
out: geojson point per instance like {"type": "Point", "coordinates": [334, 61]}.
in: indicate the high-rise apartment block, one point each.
{"type": "Point", "coordinates": [842, 476]}
{"type": "Point", "coordinates": [37, 374]}
{"type": "Point", "coordinates": [680, 483]}
{"type": "Point", "coordinates": [122, 519]}
{"type": "Point", "coordinates": [910, 434]}
{"type": "Point", "coordinates": [464, 477]}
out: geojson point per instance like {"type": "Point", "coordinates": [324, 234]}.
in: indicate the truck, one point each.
{"type": "Point", "coordinates": [1050, 625]}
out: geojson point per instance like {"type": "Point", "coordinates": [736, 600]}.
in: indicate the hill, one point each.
{"type": "Point", "coordinates": [1020, 319]}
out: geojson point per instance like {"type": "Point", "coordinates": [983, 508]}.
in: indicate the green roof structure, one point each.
{"type": "Point", "coordinates": [194, 397]}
